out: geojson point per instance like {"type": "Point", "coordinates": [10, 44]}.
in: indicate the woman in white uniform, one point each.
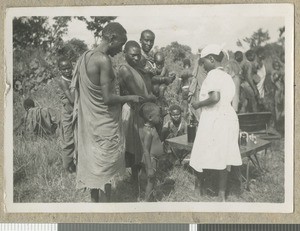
{"type": "Point", "coordinates": [216, 143]}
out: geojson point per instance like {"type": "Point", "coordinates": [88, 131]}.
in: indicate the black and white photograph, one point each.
{"type": "Point", "coordinates": [159, 108]}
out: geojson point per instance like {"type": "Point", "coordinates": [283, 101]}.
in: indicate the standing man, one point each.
{"type": "Point", "coordinates": [147, 41]}
{"type": "Point", "coordinates": [100, 142]}
{"type": "Point", "coordinates": [132, 83]}
{"type": "Point", "coordinates": [249, 92]}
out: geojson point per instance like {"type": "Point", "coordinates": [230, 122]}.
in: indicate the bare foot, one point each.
{"type": "Point", "coordinates": [222, 196]}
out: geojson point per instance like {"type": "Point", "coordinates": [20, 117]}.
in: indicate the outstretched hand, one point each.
{"type": "Point", "coordinates": [136, 99]}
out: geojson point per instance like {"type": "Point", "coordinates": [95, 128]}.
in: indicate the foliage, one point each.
{"type": "Point", "coordinates": [176, 51]}
{"type": "Point", "coordinates": [72, 49]}
{"type": "Point", "coordinates": [36, 31]}
{"type": "Point", "coordinates": [258, 38]}
{"type": "Point", "coordinates": [281, 39]}
{"type": "Point", "coordinates": [96, 24]}
{"type": "Point", "coordinates": [37, 46]}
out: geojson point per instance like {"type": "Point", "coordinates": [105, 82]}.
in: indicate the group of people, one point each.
{"type": "Point", "coordinates": [112, 118]}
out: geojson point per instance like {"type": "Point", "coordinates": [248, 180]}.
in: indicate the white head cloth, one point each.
{"type": "Point", "coordinates": [213, 49]}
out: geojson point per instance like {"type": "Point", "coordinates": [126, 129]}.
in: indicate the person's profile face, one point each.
{"type": "Point", "coordinates": [117, 44]}
{"type": "Point", "coordinates": [207, 63]}
{"type": "Point", "coordinates": [147, 41]}
{"type": "Point", "coordinates": [175, 115]}
{"type": "Point", "coordinates": [65, 68]}
{"type": "Point", "coordinates": [133, 56]}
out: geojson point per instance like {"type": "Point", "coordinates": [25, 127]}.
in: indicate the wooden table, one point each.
{"type": "Point", "coordinates": [249, 151]}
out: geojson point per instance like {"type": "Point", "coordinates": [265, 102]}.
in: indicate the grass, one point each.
{"type": "Point", "coordinates": [39, 177]}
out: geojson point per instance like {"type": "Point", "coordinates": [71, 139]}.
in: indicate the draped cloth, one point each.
{"type": "Point", "coordinates": [38, 121]}
{"type": "Point", "coordinates": [100, 142]}
{"type": "Point", "coordinates": [194, 89]}
{"type": "Point", "coordinates": [132, 121]}
{"type": "Point", "coordinates": [67, 130]}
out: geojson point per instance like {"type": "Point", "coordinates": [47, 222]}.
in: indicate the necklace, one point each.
{"type": "Point", "coordinates": [64, 78]}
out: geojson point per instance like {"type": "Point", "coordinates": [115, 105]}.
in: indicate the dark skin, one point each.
{"type": "Point", "coordinates": [176, 119]}
{"type": "Point", "coordinates": [133, 56]}
{"type": "Point", "coordinates": [100, 73]}
{"type": "Point", "coordinates": [147, 41]}
{"type": "Point", "coordinates": [213, 97]}
{"type": "Point", "coordinates": [152, 120]}
{"type": "Point", "coordinates": [65, 68]}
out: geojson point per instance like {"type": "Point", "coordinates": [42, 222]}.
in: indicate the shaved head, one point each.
{"type": "Point", "coordinates": [131, 44]}
{"type": "Point", "coordinates": [159, 57]}
{"type": "Point", "coordinates": [113, 28]}
{"type": "Point", "coordinates": [147, 40]}
{"type": "Point", "coordinates": [146, 32]}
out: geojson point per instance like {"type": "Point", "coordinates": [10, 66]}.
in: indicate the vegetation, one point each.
{"type": "Point", "coordinates": [38, 173]}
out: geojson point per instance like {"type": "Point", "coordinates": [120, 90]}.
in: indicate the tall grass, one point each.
{"type": "Point", "coordinates": [39, 176]}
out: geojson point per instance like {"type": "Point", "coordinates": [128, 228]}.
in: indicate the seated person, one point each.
{"type": "Point", "coordinates": [36, 121]}
{"type": "Point", "coordinates": [162, 76]}
{"type": "Point", "coordinates": [176, 126]}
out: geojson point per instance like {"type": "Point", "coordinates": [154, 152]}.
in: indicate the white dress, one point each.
{"type": "Point", "coordinates": [216, 142]}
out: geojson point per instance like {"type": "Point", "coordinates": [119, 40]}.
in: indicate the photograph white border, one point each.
{"type": "Point", "coordinates": [269, 10]}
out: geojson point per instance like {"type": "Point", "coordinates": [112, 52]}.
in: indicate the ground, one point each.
{"type": "Point", "coordinates": [39, 177]}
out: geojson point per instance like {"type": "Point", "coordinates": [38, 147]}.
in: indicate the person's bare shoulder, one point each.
{"type": "Point", "coordinates": [124, 71]}
{"type": "Point", "coordinates": [97, 62]}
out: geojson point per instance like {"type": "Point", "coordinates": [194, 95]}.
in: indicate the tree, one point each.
{"type": "Point", "coordinates": [72, 49]}
{"type": "Point", "coordinates": [29, 31]}
{"type": "Point", "coordinates": [96, 24]}
{"type": "Point", "coordinates": [36, 31]}
{"type": "Point", "coordinates": [257, 39]}
{"type": "Point", "coordinates": [281, 39]}
{"type": "Point", "coordinates": [176, 51]}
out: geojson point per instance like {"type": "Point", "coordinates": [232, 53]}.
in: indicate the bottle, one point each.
{"type": "Point", "coordinates": [244, 139]}
{"type": "Point", "coordinates": [191, 131]}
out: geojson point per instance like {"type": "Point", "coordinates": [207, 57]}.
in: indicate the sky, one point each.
{"type": "Point", "coordinates": [190, 27]}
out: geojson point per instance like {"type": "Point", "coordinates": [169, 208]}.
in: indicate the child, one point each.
{"type": "Point", "coordinates": [173, 128]}
{"type": "Point", "coordinates": [176, 126]}
{"type": "Point", "coordinates": [160, 81]}
{"type": "Point", "coordinates": [151, 144]}
{"type": "Point", "coordinates": [67, 126]}
{"type": "Point", "coordinates": [162, 76]}
{"type": "Point", "coordinates": [37, 121]}
{"type": "Point", "coordinates": [216, 143]}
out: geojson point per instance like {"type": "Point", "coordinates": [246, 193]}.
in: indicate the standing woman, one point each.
{"type": "Point", "coordinates": [216, 143]}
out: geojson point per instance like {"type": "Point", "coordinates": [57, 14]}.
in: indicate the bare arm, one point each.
{"type": "Point", "coordinates": [127, 77]}
{"type": "Point", "coordinates": [165, 132]}
{"type": "Point", "coordinates": [147, 141]}
{"type": "Point", "coordinates": [66, 90]}
{"type": "Point", "coordinates": [235, 101]}
{"type": "Point", "coordinates": [109, 97]}
{"type": "Point", "coordinates": [213, 98]}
